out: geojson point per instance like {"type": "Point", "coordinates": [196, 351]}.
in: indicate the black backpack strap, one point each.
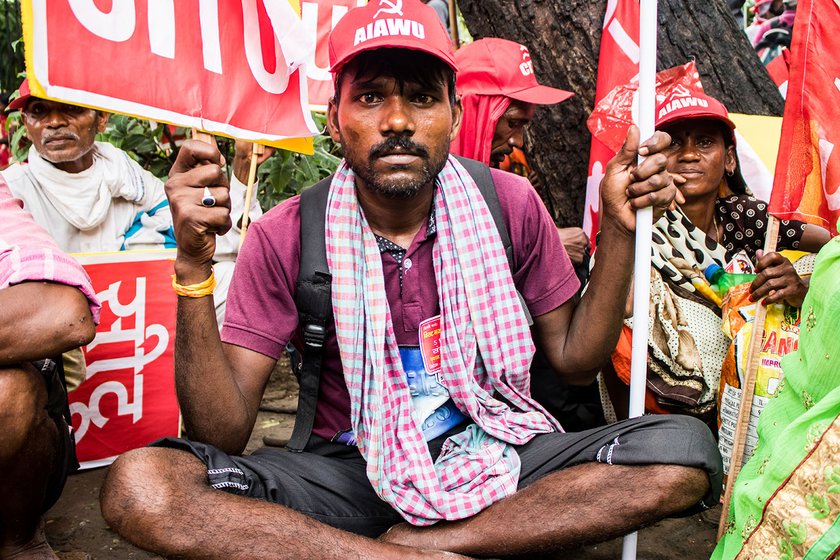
{"type": "Point", "coordinates": [484, 181]}
{"type": "Point", "coordinates": [313, 299]}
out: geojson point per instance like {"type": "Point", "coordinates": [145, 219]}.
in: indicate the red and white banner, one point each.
{"type": "Point", "coordinates": [807, 182]}
{"type": "Point", "coordinates": [618, 64]}
{"type": "Point", "coordinates": [127, 399]}
{"type": "Point", "coordinates": [233, 68]}
{"type": "Point", "coordinates": [319, 18]}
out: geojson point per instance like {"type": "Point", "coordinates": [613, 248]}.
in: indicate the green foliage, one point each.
{"type": "Point", "coordinates": [11, 46]}
{"type": "Point", "coordinates": [18, 142]}
{"type": "Point", "coordinates": [142, 142]}
{"type": "Point", "coordinates": [749, 14]}
{"type": "Point", "coordinates": [286, 174]}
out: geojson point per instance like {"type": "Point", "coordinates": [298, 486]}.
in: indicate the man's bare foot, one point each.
{"type": "Point", "coordinates": [406, 534]}
{"type": "Point", "coordinates": [426, 553]}
{"type": "Point", "coordinates": [36, 549]}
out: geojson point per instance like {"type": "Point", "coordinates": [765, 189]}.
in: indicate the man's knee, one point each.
{"type": "Point", "coordinates": [680, 439]}
{"type": "Point", "coordinates": [23, 398]}
{"type": "Point", "coordinates": [145, 484]}
{"type": "Point", "coordinates": [688, 445]}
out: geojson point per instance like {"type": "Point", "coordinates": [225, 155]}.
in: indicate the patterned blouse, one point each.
{"type": "Point", "coordinates": [745, 218]}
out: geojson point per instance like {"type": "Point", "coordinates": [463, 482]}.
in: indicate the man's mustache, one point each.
{"type": "Point", "coordinates": [398, 145]}
{"type": "Point", "coordinates": [60, 136]}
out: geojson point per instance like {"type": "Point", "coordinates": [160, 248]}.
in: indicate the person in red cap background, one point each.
{"type": "Point", "coordinates": [717, 220]}
{"type": "Point", "coordinates": [417, 270]}
{"type": "Point", "coordinates": [500, 93]}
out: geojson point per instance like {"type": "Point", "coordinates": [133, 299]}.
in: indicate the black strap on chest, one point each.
{"type": "Point", "coordinates": [313, 299]}
{"type": "Point", "coordinates": [313, 296]}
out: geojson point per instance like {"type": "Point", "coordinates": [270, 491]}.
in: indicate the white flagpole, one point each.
{"type": "Point", "coordinates": [644, 231]}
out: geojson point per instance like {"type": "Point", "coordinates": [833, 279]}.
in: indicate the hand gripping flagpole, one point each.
{"type": "Point", "coordinates": [644, 231]}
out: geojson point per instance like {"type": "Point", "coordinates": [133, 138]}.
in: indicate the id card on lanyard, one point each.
{"type": "Point", "coordinates": [433, 407]}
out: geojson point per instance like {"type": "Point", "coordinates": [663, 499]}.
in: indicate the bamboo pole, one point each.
{"type": "Point", "coordinates": [202, 136]}
{"type": "Point", "coordinates": [742, 425]}
{"type": "Point", "coordinates": [256, 151]}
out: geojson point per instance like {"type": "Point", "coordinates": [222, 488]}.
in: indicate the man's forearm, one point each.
{"type": "Point", "coordinates": [212, 404]}
{"type": "Point", "coordinates": [41, 320]}
{"type": "Point", "coordinates": [596, 323]}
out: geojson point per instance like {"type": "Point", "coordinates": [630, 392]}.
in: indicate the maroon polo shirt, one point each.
{"type": "Point", "coordinates": [261, 314]}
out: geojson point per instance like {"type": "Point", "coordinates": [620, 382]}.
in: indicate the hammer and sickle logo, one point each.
{"type": "Point", "coordinates": [391, 8]}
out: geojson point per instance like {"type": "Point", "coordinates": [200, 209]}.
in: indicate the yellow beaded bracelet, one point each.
{"type": "Point", "coordinates": [196, 290]}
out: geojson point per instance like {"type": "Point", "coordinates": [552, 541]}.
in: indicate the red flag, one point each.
{"type": "Point", "coordinates": [779, 70]}
{"type": "Point", "coordinates": [807, 182]}
{"type": "Point", "coordinates": [618, 63]}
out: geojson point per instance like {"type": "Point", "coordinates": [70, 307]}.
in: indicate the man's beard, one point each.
{"type": "Point", "coordinates": [396, 188]}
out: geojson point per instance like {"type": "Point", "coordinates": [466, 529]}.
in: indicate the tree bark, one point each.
{"type": "Point", "coordinates": [564, 39]}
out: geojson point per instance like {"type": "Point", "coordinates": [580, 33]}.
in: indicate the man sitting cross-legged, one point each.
{"type": "Point", "coordinates": [414, 255]}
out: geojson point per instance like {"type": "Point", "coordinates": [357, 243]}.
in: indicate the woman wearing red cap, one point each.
{"type": "Point", "coordinates": [717, 220]}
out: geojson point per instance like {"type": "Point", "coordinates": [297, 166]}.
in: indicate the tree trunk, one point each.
{"type": "Point", "coordinates": [564, 39]}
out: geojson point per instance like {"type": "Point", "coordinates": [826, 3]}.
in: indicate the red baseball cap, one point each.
{"type": "Point", "coordinates": [684, 103]}
{"type": "Point", "coordinates": [392, 24]}
{"type": "Point", "coordinates": [501, 67]}
{"type": "Point", "coordinates": [20, 101]}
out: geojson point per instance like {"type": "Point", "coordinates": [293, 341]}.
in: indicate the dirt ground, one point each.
{"type": "Point", "coordinates": [75, 527]}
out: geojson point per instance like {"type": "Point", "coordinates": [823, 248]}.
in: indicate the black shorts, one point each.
{"type": "Point", "coordinates": [328, 482]}
{"type": "Point", "coordinates": [58, 409]}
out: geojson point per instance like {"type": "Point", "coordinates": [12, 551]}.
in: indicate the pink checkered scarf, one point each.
{"type": "Point", "coordinates": [486, 350]}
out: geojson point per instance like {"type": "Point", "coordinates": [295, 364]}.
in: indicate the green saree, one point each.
{"type": "Point", "coordinates": [786, 501]}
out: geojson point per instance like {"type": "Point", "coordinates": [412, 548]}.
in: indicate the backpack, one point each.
{"type": "Point", "coordinates": [313, 299]}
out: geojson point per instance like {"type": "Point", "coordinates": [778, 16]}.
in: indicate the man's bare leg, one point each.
{"type": "Point", "coordinates": [581, 505]}
{"type": "Point", "coordinates": [159, 500]}
{"type": "Point", "coordinates": [28, 444]}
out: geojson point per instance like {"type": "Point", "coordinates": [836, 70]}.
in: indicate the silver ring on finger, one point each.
{"type": "Point", "coordinates": [207, 198]}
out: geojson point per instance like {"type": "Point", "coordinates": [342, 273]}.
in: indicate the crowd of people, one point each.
{"type": "Point", "coordinates": [452, 352]}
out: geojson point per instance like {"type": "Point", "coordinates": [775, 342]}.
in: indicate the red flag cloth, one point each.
{"type": "Point", "coordinates": [807, 182]}
{"type": "Point", "coordinates": [779, 70]}
{"type": "Point", "coordinates": [618, 63]}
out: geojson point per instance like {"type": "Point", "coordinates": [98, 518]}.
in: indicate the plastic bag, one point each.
{"type": "Point", "coordinates": [614, 114]}
{"type": "Point", "coordinates": [781, 336]}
